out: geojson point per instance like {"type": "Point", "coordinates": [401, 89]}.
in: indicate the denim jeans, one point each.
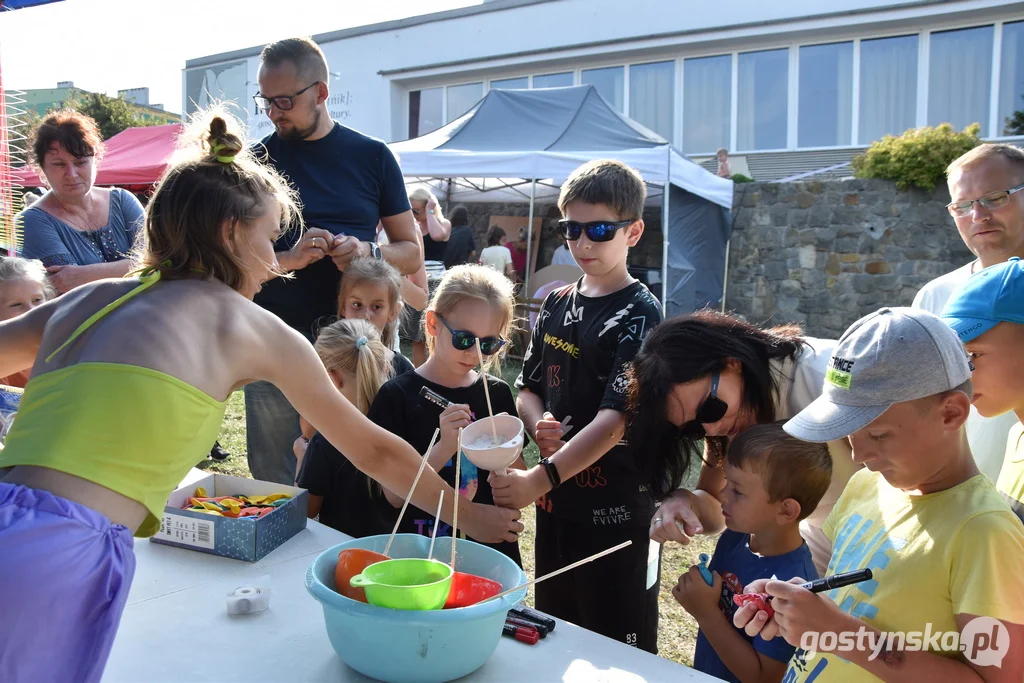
{"type": "Point", "coordinates": [271, 426]}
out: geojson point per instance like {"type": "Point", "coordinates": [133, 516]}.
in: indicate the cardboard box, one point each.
{"type": "Point", "coordinates": [10, 399]}
{"type": "Point", "coordinates": [241, 539]}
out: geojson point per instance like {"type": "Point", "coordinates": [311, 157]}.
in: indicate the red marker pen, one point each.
{"type": "Point", "coordinates": [523, 635]}
{"type": "Point", "coordinates": [523, 623]}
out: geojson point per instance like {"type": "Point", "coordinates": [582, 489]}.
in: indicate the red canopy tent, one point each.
{"type": "Point", "coordinates": [135, 158]}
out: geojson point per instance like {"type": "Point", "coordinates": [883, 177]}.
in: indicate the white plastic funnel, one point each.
{"type": "Point", "coordinates": [494, 458]}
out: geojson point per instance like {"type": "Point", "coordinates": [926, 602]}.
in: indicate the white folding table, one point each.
{"type": "Point", "coordinates": [175, 628]}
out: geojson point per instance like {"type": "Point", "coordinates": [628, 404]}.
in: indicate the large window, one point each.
{"type": "Point", "coordinates": [511, 84]}
{"type": "Point", "coordinates": [652, 96]}
{"type": "Point", "coordinates": [888, 87]}
{"type": "Point", "coordinates": [839, 94]}
{"type": "Point", "coordinates": [553, 80]}
{"type": "Point", "coordinates": [425, 111]}
{"type": "Point", "coordinates": [609, 83]}
{"type": "Point", "coordinates": [1011, 76]}
{"type": "Point", "coordinates": [461, 99]}
{"type": "Point", "coordinates": [826, 95]}
{"type": "Point", "coordinates": [960, 77]}
{"type": "Point", "coordinates": [707, 92]}
{"type": "Point", "coordinates": [762, 109]}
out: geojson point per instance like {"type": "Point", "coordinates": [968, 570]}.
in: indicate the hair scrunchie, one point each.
{"type": "Point", "coordinates": [361, 342]}
{"type": "Point", "coordinates": [224, 159]}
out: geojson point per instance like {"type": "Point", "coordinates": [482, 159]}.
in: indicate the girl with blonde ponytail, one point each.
{"type": "Point", "coordinates": [354, 354]}
{"type": "Point", "coordinates": [358, 363]}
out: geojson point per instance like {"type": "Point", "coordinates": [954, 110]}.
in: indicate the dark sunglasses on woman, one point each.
{"type": "Point", "coordinates": [597, 231]}
{"type": "Point", "coordinates": [711, 410]}
{"type": "Point", "coordinates": [464, 341]}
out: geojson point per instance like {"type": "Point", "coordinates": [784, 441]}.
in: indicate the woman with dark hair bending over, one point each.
{"type": "Point", "coordinates": [703, 378]}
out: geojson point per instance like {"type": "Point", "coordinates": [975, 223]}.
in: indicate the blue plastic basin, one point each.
{"type": "Point", "coordinates": [423, 646]}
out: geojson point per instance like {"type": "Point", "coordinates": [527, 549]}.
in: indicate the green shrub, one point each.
{"type": "Point", "coordinates": [918, 158]}
{"type": "Point", "coordinates": [740, 178]}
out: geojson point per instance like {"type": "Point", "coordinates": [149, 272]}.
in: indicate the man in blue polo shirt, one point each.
{"type": "Point", "coordinates": [347, 182]}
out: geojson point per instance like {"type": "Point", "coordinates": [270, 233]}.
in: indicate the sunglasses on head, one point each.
{"type": "Point", "coordinates": [597, 231]}
{"type": "Point", "coordinates": [711, 410]}
{"type": "Point", "coordinates": [464, 341]}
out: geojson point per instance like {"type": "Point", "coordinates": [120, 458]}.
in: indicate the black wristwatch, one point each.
{"type": "Point", "coordinates": [375, 251]}
{"type": "Point", "coordinates": [552, 471]}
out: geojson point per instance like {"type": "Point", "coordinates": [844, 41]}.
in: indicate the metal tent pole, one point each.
{"type": "Point", "coordinates": [664, 249]}
{"type": "Point", "coordinates": [725, 275]}
{"type": "Point", "coordinates": [529, 240]}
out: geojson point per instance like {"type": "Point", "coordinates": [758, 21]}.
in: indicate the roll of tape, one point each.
{"type": "Point", "coordinates": [248, 600]}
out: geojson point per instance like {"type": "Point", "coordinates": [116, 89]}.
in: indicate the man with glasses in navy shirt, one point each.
{"type": "Point", "coordinates": [347, 182]}
{"type": "Point", "coordinates": [987, 205]}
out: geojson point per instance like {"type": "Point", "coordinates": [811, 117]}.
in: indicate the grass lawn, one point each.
{"type": "Point", "coordinates": [677, 631]}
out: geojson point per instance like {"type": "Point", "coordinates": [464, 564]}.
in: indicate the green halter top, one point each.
{"type": "Point", "coordinates": [131, 429]}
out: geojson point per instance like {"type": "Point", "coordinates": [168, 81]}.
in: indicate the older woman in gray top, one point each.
{"type": "Point", "coordinates": [80, 232]}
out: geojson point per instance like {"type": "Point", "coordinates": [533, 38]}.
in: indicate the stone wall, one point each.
{"type": "Point", "coordinates": [826, 253]}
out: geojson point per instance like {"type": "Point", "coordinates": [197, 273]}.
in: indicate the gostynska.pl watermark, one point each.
{"type": "Point", "coordinates": [984, 641]}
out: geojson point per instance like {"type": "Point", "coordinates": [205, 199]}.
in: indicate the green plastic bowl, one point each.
{"type": "Point", "coordinates": [408, 584]}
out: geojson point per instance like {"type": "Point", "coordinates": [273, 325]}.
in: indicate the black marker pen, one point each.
{"type": "Point", "coordinates": [439, 400]}
{"type": "Point", "coordinates": [837, 581]}
{"type": "Point", "coordinates": [534, 616]}
{"type": "Point", "coordinates": [834, 581]}
{"type": "Point", "coordinates": [434, 397]}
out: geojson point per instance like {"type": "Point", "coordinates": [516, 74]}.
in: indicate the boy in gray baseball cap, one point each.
{"type": "Point", "coordinates": [942, 544]}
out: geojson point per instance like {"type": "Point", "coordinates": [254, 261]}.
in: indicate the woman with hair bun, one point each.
{"type": "Point", "coordinates": [129, 386]}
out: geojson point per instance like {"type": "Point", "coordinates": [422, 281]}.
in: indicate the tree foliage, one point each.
{"type": "Point", "coordinates": [112, 114]}
{"type": "Point", "coordinates": [918, 158]}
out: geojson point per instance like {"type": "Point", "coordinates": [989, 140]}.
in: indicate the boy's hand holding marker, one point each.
{"type": "Point", "coordinates": [797, 611]}
{"type": "Point", "coordinates": [796, 608]}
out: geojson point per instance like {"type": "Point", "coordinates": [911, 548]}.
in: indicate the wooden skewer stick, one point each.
{"type": "Point", "coordinates": [458, 483]}
{"type": "Point", "coordinates": [559, 571]}
{"type": "Point", "coordinates": [423, 464]}
{"type": "Point", "coordinates": [437, 523]}
{"type": "Point", "coordinates": [487, 392]}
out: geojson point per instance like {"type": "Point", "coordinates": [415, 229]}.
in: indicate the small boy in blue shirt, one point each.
{"type": "Point", "coordinates": [773, 481]}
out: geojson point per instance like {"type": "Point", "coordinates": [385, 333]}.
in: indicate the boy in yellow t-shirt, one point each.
{"type": "Point", "coordinates": [944, 549]}
{"type": "Point", "coordinates": [987, 312]}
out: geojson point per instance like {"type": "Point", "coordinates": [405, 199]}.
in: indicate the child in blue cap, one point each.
{"type": "Point", "coordinates": [988, 314]}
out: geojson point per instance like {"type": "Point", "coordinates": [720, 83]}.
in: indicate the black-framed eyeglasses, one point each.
{"type": "Point", "coordinates": [283, 102]}
{"type": "Point", "coordinates": [711, 410]}
{"type": "Point", "coordinates": [597, 231]}
{"type": "Point", "coordinates": [991, 201]}
{"type": "Point", "coordinates": [464, 341]}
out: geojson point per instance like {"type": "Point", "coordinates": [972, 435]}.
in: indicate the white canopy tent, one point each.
{"type": "Point", "coordinates": [518, 143]}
